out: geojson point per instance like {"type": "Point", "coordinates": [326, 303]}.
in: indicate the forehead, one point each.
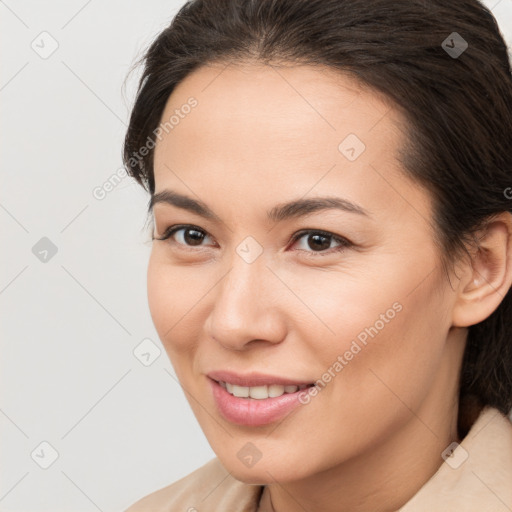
{"type": "Point", "coordinates": [293, 112]}
{"type": "Point", "coordinates": [287, 104]}
{"type": "Point", "coordinates": [281, 129]}
{"type": "Point", "coordinates": [285, 95]}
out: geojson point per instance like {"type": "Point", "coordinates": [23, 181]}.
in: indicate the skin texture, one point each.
{"type": "Point", "coordinates": [262, 135]}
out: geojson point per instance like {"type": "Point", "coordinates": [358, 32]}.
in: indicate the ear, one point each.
{"type": "Point", "coordinates": [487, 278]}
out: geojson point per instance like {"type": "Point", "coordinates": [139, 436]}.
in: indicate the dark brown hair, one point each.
{"type": "Point", "coordinates": [458, 109]}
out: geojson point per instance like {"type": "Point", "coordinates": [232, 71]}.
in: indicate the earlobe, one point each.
{"type": "Point", "coordinates": [488, 276]}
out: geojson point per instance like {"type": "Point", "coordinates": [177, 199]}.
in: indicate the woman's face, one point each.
{"type": "Point", "coordinates": [363, 308]}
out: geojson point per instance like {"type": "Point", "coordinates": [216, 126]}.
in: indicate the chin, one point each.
{"type": "Point", "coordinates": [251, 478]}
{"type": "Point", "coordinates": [262, 472]}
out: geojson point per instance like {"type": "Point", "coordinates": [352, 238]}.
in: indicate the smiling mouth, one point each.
{"type": "Point", "coordinates": [261, 392]}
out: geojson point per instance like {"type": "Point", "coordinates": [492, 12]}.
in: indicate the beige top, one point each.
{"type": "Point", "coordinates": [477, 477]}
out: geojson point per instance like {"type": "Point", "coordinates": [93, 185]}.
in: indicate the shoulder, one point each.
{"type": "Point", "coordinates": [209, 488]}
{"type": "Point", "coordinates": [477, 475]}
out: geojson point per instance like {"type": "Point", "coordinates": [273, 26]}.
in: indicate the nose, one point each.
{"type": "Point", "coordinates": [246, 306]}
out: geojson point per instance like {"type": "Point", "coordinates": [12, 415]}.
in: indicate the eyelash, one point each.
{"type": "Point", "coordinates": [343, 242]}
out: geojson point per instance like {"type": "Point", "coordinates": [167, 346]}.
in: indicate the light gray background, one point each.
{"type": "Point", "coordinates": [70, 324]}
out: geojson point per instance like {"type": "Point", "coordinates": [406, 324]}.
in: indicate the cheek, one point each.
{"type": "Point", "coordinates": [376, 330]}
{"type": "Point", "coordinates": [158, 298]}
{"type": "Point", "coordinates": [339, 306]}
{"type": "Point", "coordinates": [392, 358]}
{"type": "Point", "coordinates": [174, 294]}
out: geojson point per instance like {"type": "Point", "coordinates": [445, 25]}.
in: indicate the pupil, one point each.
{"type": "Point", "coordinates": [325, 245]}
{"type": "Point", "coordinates": [196, 238]}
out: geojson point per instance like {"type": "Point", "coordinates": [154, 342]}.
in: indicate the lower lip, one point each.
{"type": "Point", "coordinates": [251, 411]}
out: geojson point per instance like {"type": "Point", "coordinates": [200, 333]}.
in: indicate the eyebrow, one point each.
{"type": "Point", "coordinates": [293, 209]}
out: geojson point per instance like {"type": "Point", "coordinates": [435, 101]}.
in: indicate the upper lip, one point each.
{"type": "Point", "coordinates": [254, 379]}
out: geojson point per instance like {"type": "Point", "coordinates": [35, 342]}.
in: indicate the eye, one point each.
{"type": "Point", "coordinates": [320, 241]}
{"type": "Point", "coordinates": [191, 236]}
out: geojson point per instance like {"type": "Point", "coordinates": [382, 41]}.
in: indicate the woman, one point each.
{"type": "Point", "coordinates": [331, 264]}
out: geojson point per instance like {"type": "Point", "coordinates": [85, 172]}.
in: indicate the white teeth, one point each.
{"type": "Point", "coordinates": [275, 390]}
{"type": "Point", "coordinates": [240, 391]}
{"type": "Point", "coordinates": [260, 392]}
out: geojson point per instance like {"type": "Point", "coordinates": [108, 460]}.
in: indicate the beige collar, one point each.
{"type": "Point", "coordinates": [478, 476]}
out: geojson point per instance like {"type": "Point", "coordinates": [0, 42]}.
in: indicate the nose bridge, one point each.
{"type": "Point", "coordinates": [240, 311]}
{"type": "Point", "coordinates": [242, 289]}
